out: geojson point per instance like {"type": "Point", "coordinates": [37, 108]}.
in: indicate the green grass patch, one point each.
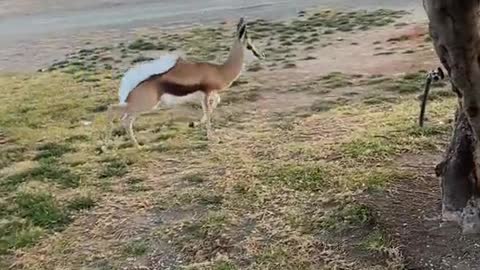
{"type": "Point", "coordinates": [10, 154]}
{"type": "Point", "coordinates": [137, 184]}
{"type": "Point", "coordinates": [410, 83]}
{"type": "Point", "coordinates": [379, 100]}
{"type": "Point", "coordinates": [303, 178]}
{"type": "Point", "coordinates": [136, 248]}
{"type": "Point", "coordinates": [41, 209]}
{"type": "Point", "coordinates": [17, 233]}
{"type": "Point", "coordinates": [376, 241]}
{"type": "Point", "coordinates": [346, 217]}
{"type": "Point", "coordinates": [336, 80]}
{"type": "Point", "coordinates": [368, 149]}
{"type": "Point", "coordinates": [140, 59]}
{"type": "Point", "coordinates": [83, 202]}
{"type": "Point", "coordinates": [142, 45]}
{"type": "Point", "coordinates": [113, 168]}
{"type": "Point", "coordinates": [374, 179]}
{"type": "Point", "coordinates": [52, 150]}
{"type": "Point", "coordinates": [48, 170]}
{"type": "Point", "coordinates": [223, 265]}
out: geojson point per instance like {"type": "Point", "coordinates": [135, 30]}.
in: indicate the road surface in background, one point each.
{"type": "Point", "coordinates": [26, 25]}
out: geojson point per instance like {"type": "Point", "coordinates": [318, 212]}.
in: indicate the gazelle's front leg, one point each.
{"type": "Point", "coordinates": [209, 105]}
{"type": "Point", "coordinates": [207, 111]}
{"type": "Point", "coordinates": [204, 109]}
{"type": "Point", "coordinates": [215, 100]}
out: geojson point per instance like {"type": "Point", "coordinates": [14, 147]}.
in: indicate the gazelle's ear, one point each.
{"type": "Point", "coordinates": [241, 29]}
{"type": "Point", "coordinates": [240, 23]}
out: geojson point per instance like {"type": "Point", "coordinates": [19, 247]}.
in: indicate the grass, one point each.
{"type": "Point", "coordinates": [113, 168]}
{"type": "Point", "coordinates": [262, 198]}
{"type": "Point", "coordinates": [368, 149]}
{"type": "Point", "coordinates": [140, 59]}
{"type": "Point", "coordinates": [409, 83]}
{"type": "Point", "coordinates": [200, 237]}
{"type": "Point", "coordinates": [41, 209]}
{"type": "Point", "coordinates": [193, 178]}
{"type": "Point", "coordinates": [376, 241]}
{"type": "Point", "coordinates": [268, 186]}
{"type": "Point", "coordinates": [141, 45]}
{"type": "Point", "coordinates": [336, 80]}
{"type": "Point", "coordinates": [11, 154]}
{"type": "Point", "coordinates": [323, 105]}
{"type": "Point", "coordinates": [83, 202]}
{"type": "Point", "coordinates": [49, 158]}
{"type": "Point", "coordinates": [136, 248]}
{"type": "Point", "coordinates": [299, 177]}
{"type": "Point", "coordinates": [47, 170]}
{"type": "Point", "coordinates": [346, 217]}
{"type": "Point", "coordinates": [211, 44]}
{"type": "Point", "coordinates": [17, 234]}
{"type": "Point", "coordinates": [52, 150]}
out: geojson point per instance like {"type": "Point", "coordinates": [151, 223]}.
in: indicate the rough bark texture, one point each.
{"type": "Point", "coordinates": [456, 171]}
{"type": "Point", "coordinates": [454, 31]}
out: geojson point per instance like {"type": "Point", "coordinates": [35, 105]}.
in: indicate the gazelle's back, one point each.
{"type": "Point", "coordinates": [139, 73]}
{"type": "Point", "coordinates": [204, 77]}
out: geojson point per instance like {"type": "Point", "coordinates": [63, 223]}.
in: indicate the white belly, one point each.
{"type": "Point", "coordinates": [171, 100]}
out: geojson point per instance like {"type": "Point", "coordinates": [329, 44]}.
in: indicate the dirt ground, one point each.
{"type": "Point", "coordinates": [199, 205]}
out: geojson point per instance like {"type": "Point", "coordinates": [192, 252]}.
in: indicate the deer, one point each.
{"type": "Point", "coordinates": [171, 80]}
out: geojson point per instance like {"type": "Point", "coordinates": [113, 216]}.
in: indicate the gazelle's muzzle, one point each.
{"type": "Point", "coordinates": [255, 52]}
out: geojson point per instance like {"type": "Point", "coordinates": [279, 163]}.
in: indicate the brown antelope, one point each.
{"type": "Point", "coordinates": [171, 80]}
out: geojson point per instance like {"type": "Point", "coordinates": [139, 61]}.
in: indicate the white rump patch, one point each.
{"type": "Point", "coordinates": [169, 100]}
{"type": "Point", "coordinates": [143, 71]}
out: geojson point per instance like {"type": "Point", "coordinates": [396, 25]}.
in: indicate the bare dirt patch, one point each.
{"type": "Point", "coordinates": [410, 213]}
{"type": "Point", "coordinates": [318, 165]}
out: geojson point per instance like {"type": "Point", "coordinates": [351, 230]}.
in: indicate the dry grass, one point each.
{"type": "Point", "coordinates": [277, 192]}
{"type": "Point", "coordinates": [278, 40]}
{"type": "Point", "coordinates": [259, 195]}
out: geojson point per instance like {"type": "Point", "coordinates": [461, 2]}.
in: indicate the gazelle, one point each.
{"type": "Point", "coordinates": [171, 80]}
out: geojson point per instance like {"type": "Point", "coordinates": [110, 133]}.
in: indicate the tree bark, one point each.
{"type": "Point", "coordinates": [454, 30]}
{"type": "Point", "coordinates": [456, 170]}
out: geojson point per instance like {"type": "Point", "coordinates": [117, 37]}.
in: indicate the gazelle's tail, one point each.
{"type": "Point", "coordinates": [139, 73]}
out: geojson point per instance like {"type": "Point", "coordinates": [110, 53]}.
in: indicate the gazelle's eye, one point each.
{"type": "Point", "coordinates": [249, 47]}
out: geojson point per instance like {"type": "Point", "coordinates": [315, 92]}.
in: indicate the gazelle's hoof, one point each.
{"type": "Point", "coordinates": [213, 138]}
{"type": "Point", "coordinates": [103, 148]}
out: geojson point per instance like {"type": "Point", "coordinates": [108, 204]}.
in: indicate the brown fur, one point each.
{"type": "Point", "coordinates": [183, 79]}
{"type": "Point", "coordinates": [187, 78]}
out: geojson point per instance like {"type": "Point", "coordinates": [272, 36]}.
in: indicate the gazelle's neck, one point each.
{"type": "Point", "coordinates": [233, 66]}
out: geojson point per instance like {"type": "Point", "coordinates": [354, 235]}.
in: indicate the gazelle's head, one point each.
{"type": "Point", "coordinates": [242, 35]}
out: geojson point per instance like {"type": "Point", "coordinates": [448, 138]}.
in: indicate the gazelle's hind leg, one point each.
{"type": "Point", "coordinates": [204, 110]}
{"type": "Point", "coordinates": [112, 112]}
{"type": "Point", "coordinates": [209, 103]}
{"type": "Point", "coordinates": [127, 122]}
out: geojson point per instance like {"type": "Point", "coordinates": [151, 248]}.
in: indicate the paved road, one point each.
{"type": "Point", "coordinates": [20, 19]}
{"type": "Point", "coordinates": [36, 32]}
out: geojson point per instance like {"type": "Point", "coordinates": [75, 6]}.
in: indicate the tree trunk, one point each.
{"type": "Point", "coordinates": [454, 31]}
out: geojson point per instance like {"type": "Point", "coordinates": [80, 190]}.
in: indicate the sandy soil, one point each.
{"type": "Point", "coordinates": [34, 33]}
